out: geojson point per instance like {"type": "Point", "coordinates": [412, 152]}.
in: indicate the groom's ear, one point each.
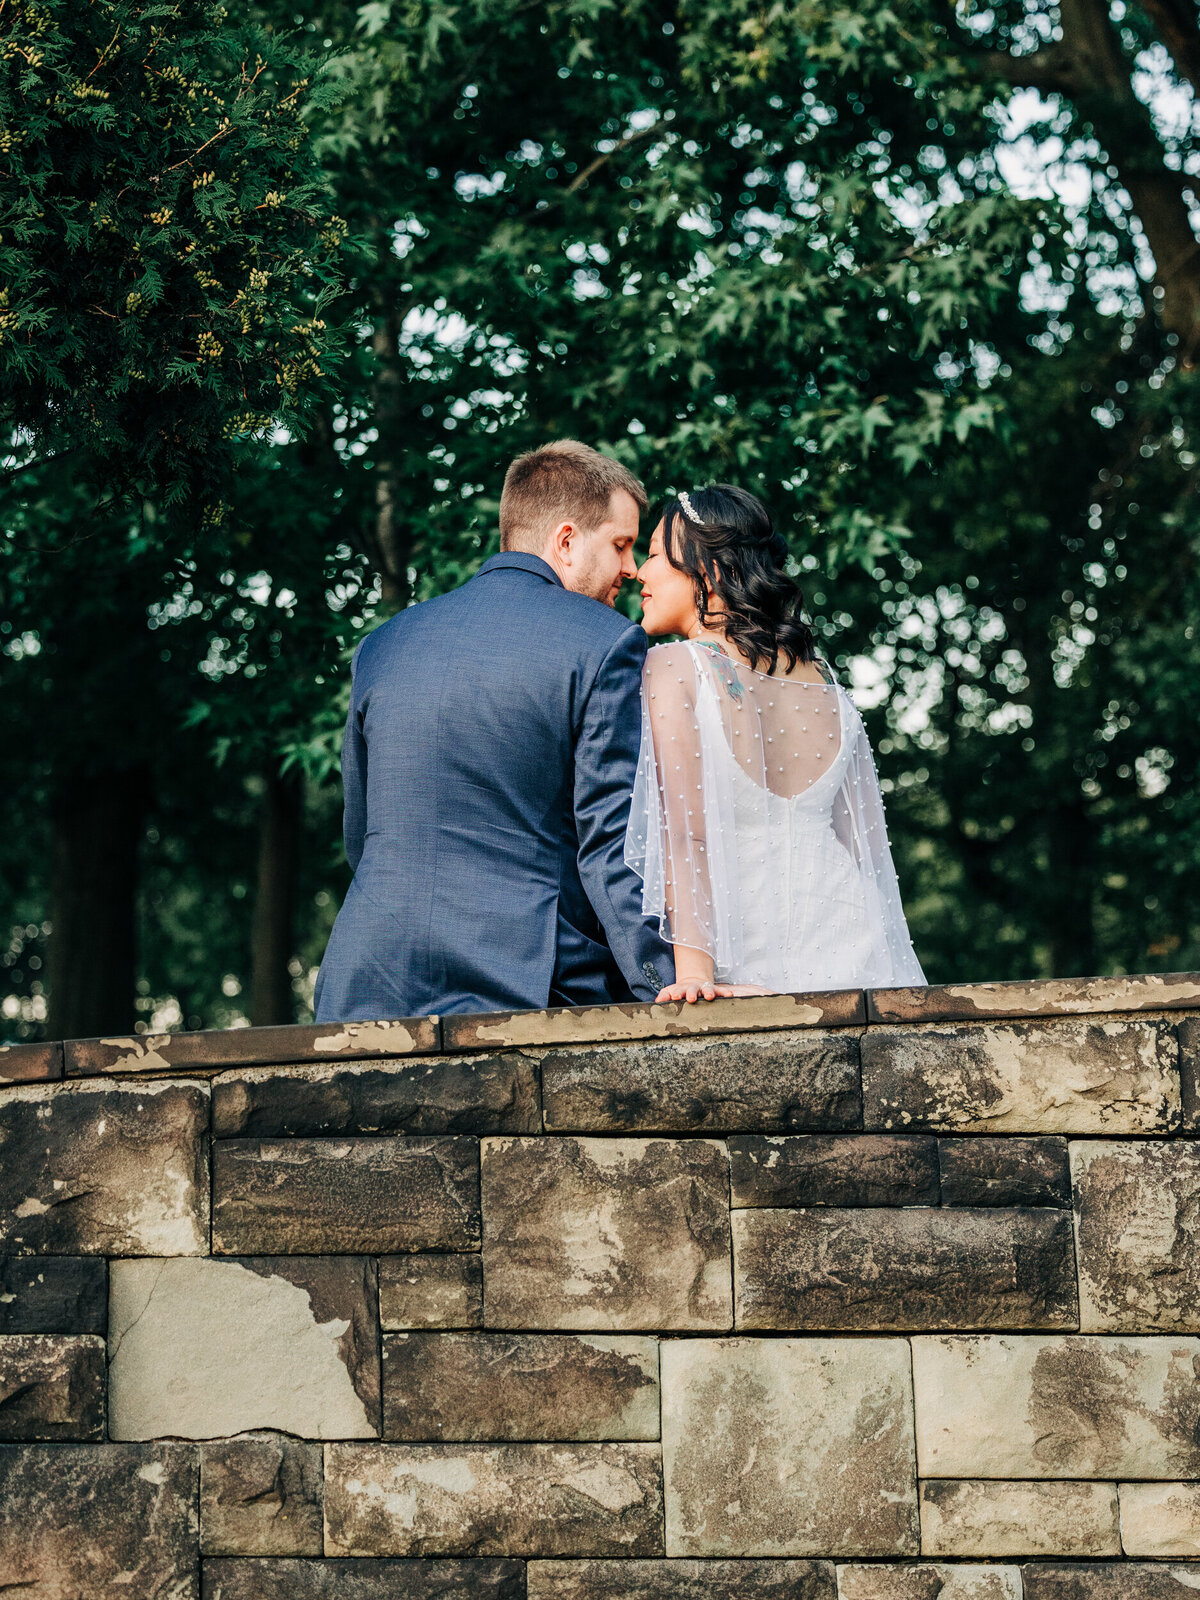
{"type": "Point", "coordinates": [561, 541]}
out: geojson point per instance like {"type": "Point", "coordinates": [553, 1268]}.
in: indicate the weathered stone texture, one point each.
{"type": "Point", "coordinates": [919, 1268]}
{"type": "Point", "coordinates": [260, 1495]}
{"type": "Point", "coordinates": [464, 1094]}
{"type": "Point", "coordinates": [1049, 997]}
{"type": "Point", "coordinates": [51, 1386]}
{"type": "Point", "coordinates": [606, 1234]}
{"type": "Point", "coordinates": [681, 1580]}
{"type": "Point", "coordinates": [1188, 1034]}
{"type": "Point", "coordinates": [1118, 1580]}
{"type": "Point", "coordinates": [1138, 1209]}
{"type": "Point", "coordinates": [53, 1294]}
{"type": "Point", "coordinates": [766, 1082]}
{"type": "Point", "coordinates": [629, 1022]}
{"type": "Point", "coordinates": [928, 1581]}
{"type": "Point", "coordinates": [511, 1499]}
{"type": "Point", "coordinates": [431, 1291]}
{"type": "Point", "coordinates": [1005, 1172]}
{"type": "Point", "coordinates": [329, 1195]}
{"type": "Point", "coordinates": [1002, 1519]}
{"type": "Point", "coordinates": [470, 1579]}
{"type": "Point", "coordinates": [443, 1386]}
{"type": "Point", "coordinates": [104, 1169]}
{"type": "Point", "coordinates": [788, 1447]}
{"type": "Point", "coordinates": [848, 1169]}
{"type": "Point", "coordinates": [199, 1349]}
{"type": "Point", "coordinates": [1065, 1407]}
{"type": "Point", "coordinates": [1160, 1519]}
{"type": "Point", "coordinates": [99, 1522]}
{"type": "Point", "coordinates": [216, 1049]}
{"type": "Point", "coordinates": [1061, 1077]}
{"type": "Point", "coordinates": [30, 1063]}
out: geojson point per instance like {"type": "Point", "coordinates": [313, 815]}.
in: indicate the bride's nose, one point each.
{"type": "Point", "coordinates": [642, 569]}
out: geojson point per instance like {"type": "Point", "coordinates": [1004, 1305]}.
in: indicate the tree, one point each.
{"type": "Point", "coordinates": [1044, 797]}
{"type": "Point", "coordinates": [166, 255]}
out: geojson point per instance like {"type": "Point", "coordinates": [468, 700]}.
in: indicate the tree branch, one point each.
{"type": "Point", "coordinates": [1052, 69]}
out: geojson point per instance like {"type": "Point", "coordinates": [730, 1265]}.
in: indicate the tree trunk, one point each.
{"type": "Point", "coordinates": [98, 825]}
{"type": "Point", "coordinates": [1070, 891]}
{"type": "Point", "coordinates": [271, 998]}
{"type": "Point", "coordinates": [1088, 65]}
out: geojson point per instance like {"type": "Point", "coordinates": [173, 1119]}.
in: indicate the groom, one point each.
{"type": "Point", "coordinates": [488, 763]}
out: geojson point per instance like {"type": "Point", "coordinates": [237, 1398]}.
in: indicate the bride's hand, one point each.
{"type": "Point", "coordinates": [691, 990]}
{"type": "Point", "coordinates": [697, 989]}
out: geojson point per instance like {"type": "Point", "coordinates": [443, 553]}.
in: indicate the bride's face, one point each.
{"type": "Point", "coordinates": [668, 599]}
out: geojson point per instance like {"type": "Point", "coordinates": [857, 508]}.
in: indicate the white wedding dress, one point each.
{"type": "Point", "coordinates": [757, 827]}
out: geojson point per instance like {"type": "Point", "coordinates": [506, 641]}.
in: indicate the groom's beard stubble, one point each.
{"type": "Point", "coordinates": [596, 582]}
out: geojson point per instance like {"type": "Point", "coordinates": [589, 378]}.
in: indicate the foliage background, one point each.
{"type": "Point", "coordinates": [925, 276]}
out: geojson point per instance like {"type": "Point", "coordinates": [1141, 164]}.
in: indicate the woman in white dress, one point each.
{"type": "Point", "coordinates": [757, 824]}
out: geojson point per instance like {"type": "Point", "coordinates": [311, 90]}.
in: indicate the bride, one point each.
{"type": "Point", "coordinates": [757, 824]}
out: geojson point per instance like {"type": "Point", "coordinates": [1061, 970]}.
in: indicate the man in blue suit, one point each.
{"type": "Point", "coordinates": [488, 764]}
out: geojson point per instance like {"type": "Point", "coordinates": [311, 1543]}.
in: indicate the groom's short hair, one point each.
{"type": "Point", "coordinates": [561, 482]}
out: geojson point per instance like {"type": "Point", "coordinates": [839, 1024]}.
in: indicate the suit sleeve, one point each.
{"type": "Point", "coordinates": [354, 776]}
{"type": "Point", "coordinates": [606, 759]}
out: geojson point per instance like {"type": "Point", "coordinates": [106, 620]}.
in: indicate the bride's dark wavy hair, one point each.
{"type": "Point", "coordinates": [733, 554]}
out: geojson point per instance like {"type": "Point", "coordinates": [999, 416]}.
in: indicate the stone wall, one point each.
{"type": "Point", "coordinates": [836, 1297]}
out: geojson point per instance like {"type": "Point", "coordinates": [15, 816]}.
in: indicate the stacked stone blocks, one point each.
{"type": "Point", "coordinates": [828, 1297]}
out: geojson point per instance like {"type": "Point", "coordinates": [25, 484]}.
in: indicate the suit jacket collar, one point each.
{"type": "Point", "coordinates": [522, 562]}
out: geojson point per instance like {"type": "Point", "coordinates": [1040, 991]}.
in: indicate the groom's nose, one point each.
{"type": "Point", "coordinates": [629, 566]}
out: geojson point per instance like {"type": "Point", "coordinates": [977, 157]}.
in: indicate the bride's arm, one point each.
{"type": "Point", "coordinates": [671, 805]}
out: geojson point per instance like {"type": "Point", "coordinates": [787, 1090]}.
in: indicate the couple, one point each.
{"type": "Point", "coordinates": [541, 813]}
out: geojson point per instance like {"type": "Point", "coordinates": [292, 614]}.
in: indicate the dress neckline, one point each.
{"type": "Point", "coordinates": [772, 677]}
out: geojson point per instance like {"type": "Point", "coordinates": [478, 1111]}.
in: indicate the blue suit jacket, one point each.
{"type": "Point", "coordinates": [488, 764]}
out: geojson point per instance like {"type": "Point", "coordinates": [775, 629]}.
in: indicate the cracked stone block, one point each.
{"type": "Point", "coordinates": [216, 1049]}
{"type": "Point", "coordinates": [1138, 1220]}
{"type": "Point", "coordinates": [928, 1581]}
{"type": "Point", "coordinates": [848, 1169]}
{"type": "Point", "coordinates": [1044, 997]}
{"type": "Point", "coordinates": [1073, 1077]}
{"type": "Point", "coordinates": [788, 1447]}
{"type": "Point", "coordinates": [355, 1195]}
{"type": "Point", "coordinates": [1117, 1580]}
{"type": "Point", "coordinates": [606, 1234]}
{"type": "Point", "coordinates": [53, 1294]}
{"type": "Point", "coordinates": [895, 1269]}
{"type": "Point", "coordinates": [508, 1499]}
{"type": "Point", "coordinates": [768, 1082]}
{"type": "Point", "coordinates": [200, 1349]}
{"type": "Point", "coordinates": [51, 1386]}
{"type": "Point", "coordinates": [431, 1291]}
{"type": "Point", "coordinates": [681, 1580]}
{"type": "Point", "coordinates": [635, 1020]}
{"type": "Point", "coordinates": [469, 1579]}
{"type": "Point", "coordinates": [1007, 1519]}
{"type": "Point", "coordinates": [532, 1386]}
{"type": "Point", "coordinates": [1188, 1034]}
{"type": "Point", "coordinates": [260, 1495]}
{"type": "Point", "coordinates": [99, 1522]}
{"type": "Point", "coordinates": [97, 1168]}
{"type": "Point", "coordinates": [30, 1063]}
{"type": "Point", "coordinates": [464, 1094]}
{"type": "Point", "coordinates": [1160, 1519]}
{"type": "Point", "coordinates": [995, 1406]}
{"type": "Point", "coordinates": [1005, 1172]}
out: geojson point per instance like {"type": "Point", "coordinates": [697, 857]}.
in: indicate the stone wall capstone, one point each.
{"type": "Point", "coordinates": [883, 1296]}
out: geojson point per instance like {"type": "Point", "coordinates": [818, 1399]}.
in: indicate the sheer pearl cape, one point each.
{"type": "Point", "coordinates": [757, 827]}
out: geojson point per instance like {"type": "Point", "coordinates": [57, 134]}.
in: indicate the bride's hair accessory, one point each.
{"type": "Point", "coordinates": [738, 566]}
{"type": "Point", "coordinates": [690, 511]}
